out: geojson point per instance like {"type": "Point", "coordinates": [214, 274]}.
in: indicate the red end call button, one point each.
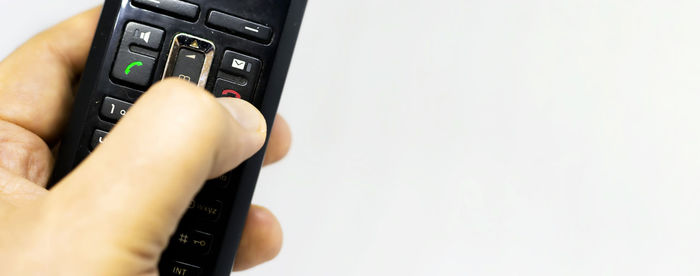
{"type": "Point", "coordinates": [231, 92]}
{"type": "Point", "coordinates": [225, 88]}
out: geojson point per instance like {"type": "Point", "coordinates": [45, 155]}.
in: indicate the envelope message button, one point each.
{"type": "Point", "coordinates": [238, 64]}
{"type": "Point", "coordinates": [241, 65]}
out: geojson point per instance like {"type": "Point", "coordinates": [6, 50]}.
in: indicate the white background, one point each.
{"type": "Point", "coordinates": [465, 137]}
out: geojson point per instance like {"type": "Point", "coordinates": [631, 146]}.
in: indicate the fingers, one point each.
{"type": "Point", "coordinates": [280, 141]}
{"type": "Point", "coordinates": [37, 79]}
{"type": "Point", "coordinates": [261, 240]}
{"type": "Point", "coordinates": [18, 191]}
{"type": "Point", "coordinates": [262, 237]}
{"type": "Point", "coordinates": [24, 154]}
{"type": "Point", "coordinates": [141, 180]}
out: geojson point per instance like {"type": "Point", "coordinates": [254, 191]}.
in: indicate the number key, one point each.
{"type": "Point", "coordinates": [113, 109]}
{"type": "Point", "coordinates": [98, 137]}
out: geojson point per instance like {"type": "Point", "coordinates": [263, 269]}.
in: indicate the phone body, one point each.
{"type": "Point", "coordinates": [240, 48]}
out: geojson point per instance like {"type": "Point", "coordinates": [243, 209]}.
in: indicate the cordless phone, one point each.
{"type": "Point", "coordinates": [232, 48]}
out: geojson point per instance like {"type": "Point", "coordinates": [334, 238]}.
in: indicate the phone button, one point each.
{"type": "Point", "coordinates": [113, 109]}
{"type": "Point", "coordinates": [176, 8]}
{"type": "Point", "coordinates": [98, 138]}
{"type": "Point", "coordinates": [205, 209]}
{"type": "Point", "coordinates": [195, 241]}
{"type": "Point", "coordinates": [142, 35]}
{"type": "Point", "coordinates": [240, 65]}
{"type": "Point", "coordinates": [225, 88]}
{"type": "Point", "coordinates": [133, 68]}
{"type": "Point", "coordinates": [188, 65]}
{"type": "Point", "coordinates": [181, 269]}
{"type": "Point", "coordinates": [239, 26]}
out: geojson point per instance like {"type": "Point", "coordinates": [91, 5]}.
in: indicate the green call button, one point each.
{"type": "Point", "coordinates": [133, 69]}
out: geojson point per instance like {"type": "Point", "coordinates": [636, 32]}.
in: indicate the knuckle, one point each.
{"type": "Point", "coordinates": [24, 153]}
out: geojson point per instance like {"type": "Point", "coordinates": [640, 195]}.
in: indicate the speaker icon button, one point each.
{"type": "Point", "coordinates": [137, 34]}
{"type": "Point", "coordinates": [145, 36]}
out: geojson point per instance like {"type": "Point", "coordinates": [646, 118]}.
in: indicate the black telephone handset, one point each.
{"type": "Point", "coordinates": [233, 48]}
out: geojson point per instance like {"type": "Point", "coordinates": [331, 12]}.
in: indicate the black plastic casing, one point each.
{"type": "Point", "coordinates": [283, 16]}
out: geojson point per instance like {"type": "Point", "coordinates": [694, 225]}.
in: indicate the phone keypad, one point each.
{"type": "Point", "coordinates": [225, 69]}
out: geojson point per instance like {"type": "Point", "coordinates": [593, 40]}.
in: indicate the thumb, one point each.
{"type": "Point", "coordinates": [133, 189]}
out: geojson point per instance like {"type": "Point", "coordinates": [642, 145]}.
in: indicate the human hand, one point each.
{"type": "Point", "coordinates": [114, 214]}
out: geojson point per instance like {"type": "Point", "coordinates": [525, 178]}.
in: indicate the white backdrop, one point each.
{"type": "Point", "coordinates": [465, 137]}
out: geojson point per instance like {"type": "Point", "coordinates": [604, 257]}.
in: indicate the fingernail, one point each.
{"type": "Point", "coordinates": [246, 115]}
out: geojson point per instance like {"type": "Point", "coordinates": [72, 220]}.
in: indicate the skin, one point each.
{"type": "Point", "coordinates": [114, 214]}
